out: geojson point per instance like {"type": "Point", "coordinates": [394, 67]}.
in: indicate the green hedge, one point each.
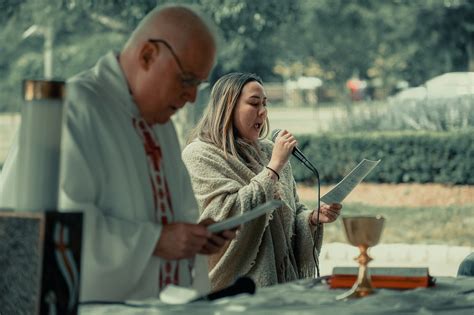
{"type": "Point", "coordinates": [414, 156]}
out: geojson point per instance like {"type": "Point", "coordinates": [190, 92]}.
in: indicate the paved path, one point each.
{"type": "Point", "coordinates": [302, 120]}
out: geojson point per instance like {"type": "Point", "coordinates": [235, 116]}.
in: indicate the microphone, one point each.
{"type": "Point", "coordinates": [298, 154]}
{"type": "Point", "coordinates": [241, 285]}
{"type": "Point", "coordinates": [303, 159]}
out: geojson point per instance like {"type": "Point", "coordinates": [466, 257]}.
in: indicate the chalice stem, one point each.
{"type": "Point", "coordinates": [363, 280]}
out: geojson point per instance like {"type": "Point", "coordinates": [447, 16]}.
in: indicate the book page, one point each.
{"type": "Point", "coordinates": [348, 183]}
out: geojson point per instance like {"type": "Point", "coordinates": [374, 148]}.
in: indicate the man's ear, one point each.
{"type": "Point", "coordinates": [147, 55]}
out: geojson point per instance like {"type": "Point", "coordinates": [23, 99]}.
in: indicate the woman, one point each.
{"type": "Point", "coordinates": [234, 169]}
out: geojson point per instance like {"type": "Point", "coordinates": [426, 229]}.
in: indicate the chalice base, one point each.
{"type": "Point", "coordinates": [358, 290]}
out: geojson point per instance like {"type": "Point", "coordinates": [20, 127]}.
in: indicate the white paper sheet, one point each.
{"type": "Point", "coordinates": [348, 183]}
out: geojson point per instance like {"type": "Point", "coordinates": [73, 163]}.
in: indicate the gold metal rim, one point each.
{"type": "Point", "coordinates": [43, 89]}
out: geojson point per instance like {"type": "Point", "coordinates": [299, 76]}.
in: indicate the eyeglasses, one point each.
{"type": "Point", "coordinates": [188, 80]}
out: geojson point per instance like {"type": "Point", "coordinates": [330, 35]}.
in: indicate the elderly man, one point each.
{"type": "Point", "coordinates": [121, 161]}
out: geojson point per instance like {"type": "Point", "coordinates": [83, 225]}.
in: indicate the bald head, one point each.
{"type": "Point", "coordinates": [178, 25]}
{"type": "Point", "coordinates": [167, 55]}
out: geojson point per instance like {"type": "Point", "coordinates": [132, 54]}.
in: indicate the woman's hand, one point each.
{"type": "Point", "coordinates": [327, 213]}
{"type": "Point", "coordinates": [284, 144]}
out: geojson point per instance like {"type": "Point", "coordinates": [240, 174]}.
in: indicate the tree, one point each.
{"type": "Point", "coordinates": [84, 30]}
{"type": "Point", "coordinates": [383, 41]}
{"type": "Point", "coordinates": [249, 31]}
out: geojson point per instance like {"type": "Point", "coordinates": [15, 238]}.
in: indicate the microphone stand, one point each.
{"type": "Point", "coordinates": [312, 168]}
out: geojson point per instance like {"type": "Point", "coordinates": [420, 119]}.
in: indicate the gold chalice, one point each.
{"type": "Point", "coordinates": [363, 232]}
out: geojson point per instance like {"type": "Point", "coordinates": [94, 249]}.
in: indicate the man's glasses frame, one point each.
{"type": "Point", "coordinates": [188, 79]}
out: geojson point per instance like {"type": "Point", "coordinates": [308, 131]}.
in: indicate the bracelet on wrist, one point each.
{"type": "Point", "coordinates": [274, 172]}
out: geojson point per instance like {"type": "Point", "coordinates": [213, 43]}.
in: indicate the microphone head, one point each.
{"type": "Point", "coordinates": [241, 285]}
{"type": "Point", "coordinates": [275, 133]}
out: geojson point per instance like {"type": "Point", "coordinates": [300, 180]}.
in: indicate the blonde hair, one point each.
{"type": "Point", "coordinates": [217, 126]}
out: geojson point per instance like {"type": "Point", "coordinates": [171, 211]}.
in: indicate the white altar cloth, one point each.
{"type": "Point", "coordinates": [449, 296]}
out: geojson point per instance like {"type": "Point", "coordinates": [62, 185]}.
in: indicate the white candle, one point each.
{"type": "Point", "coordinates": [39, 146]}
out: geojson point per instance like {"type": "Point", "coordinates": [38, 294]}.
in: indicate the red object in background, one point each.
{"type": "Point", "coordinates": [355, 86]}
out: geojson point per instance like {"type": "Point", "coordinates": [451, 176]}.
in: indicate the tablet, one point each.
{"type": "Point", "coordinates": [237, 220]}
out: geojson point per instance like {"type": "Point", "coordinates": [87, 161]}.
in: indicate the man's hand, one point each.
{"type": "Point", "coordinates": [327, 213]}
{"type": "Point", "coordinates": [216, 241]}
{"type": "Point", "coordinates": [181, 240]}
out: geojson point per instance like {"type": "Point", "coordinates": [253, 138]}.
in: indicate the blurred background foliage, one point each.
{"type": "Point", "coordinates": [382, 42]}
{"type": "Point", "coordinates": [444, 114]}
{"type": "Point", "coordinates": [407, 156]}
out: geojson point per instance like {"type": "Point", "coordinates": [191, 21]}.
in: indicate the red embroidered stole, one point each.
{"type": "Point", "coordinates": [169, 271]}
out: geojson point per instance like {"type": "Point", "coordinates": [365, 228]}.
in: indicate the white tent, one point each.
{"type": "Point", "coordinates": [304, 83]}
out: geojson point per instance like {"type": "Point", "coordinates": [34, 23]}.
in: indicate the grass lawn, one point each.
{"type": "Point", "coordinates": [450, 225]}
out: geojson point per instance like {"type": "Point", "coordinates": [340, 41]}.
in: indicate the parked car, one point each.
{"type": "Point", "coordinates": [448, 85]}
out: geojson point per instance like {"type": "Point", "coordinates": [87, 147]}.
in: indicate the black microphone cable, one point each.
{"type": "Point", "coordinates": [302, 158]}
{"type": "Point", "coordinates": [313, 169]}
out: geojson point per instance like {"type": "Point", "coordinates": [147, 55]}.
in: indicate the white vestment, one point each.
{"type": "Point", "coordinates": [104, 173]}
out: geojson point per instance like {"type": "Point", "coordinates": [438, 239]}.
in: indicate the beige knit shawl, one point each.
{"type": "Point", "coordinates": [271, 249]}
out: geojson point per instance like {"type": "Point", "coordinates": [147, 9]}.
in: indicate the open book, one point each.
{"type": "Point", "coordinates": [348, 183]}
